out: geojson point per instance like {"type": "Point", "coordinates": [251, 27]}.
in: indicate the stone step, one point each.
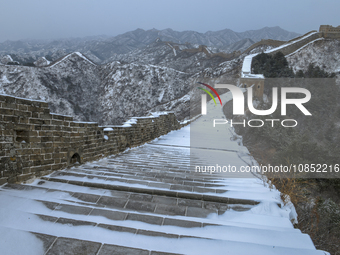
{"type": "Point", "coordinates": [175, 191]}
{"type": "Point", "coordinates": [145, 175]}
{"type": "Point", "coordinates": [139, 243]}
{"type": "Point", "coordinates": [143, 167]}
{"type": "Point", "coordinates": [208, 231]}
{"type": "Point", "coordinates": [141, 202]}
{"type": "Point", "coordinates": [54, 245]}
{"type": "Point", "coordinates": [64, 197]}
{"type": "Point", "coordinates": [166, 227]}
{"type": "Point", "coordinates": [139, 178]}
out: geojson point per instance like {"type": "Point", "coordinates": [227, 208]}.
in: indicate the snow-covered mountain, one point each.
{"type": "Point", "coordinates": [183, 57]}
{"type": "Point", "coordinates": [157, 77]}
{"type": "Point", "coordinates": [107, 94]}
{"type": "Point", "coordinates": [69, 85]}
{"type": "Point", "coordinates": [100, 48]}
{"type": "Point", "coordinates": [133, 89]}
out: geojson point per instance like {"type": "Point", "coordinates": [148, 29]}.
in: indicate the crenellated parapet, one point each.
{"type": "Point", "coordinates": [35, 142]}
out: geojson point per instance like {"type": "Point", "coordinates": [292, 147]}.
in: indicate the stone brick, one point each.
{"type": "Point", "coordinates": [10, 99]}
{"type": "Point", "coordinates": [26, 170]}
{"type": "Point", "coordinates": [23, 121]}
{"type": "Point", "coordinates": [58, 117]}
{"type": "Point", "coordinates": [23, 127]}
{"type": "Point", "coordinates": [46, 116]}
{"type": "Point", "coordinates": [35, 139]}
{"type": "Point", "coordinates": [25, 177]}
{"type": "Point", "coordinates": [44, 105]}
{"type": "Point", "coordinates": [14, 119]}
{"type": "Point", "coordinates": [35, 115]}
{"type": "Point", "coordinates": [6, 111]}
{"type": "Point", "coordinates": [22, 107]}
{"type": "Point", "coordinates": [58, 166]}
{"type": "Point", "coordinates": [39, 121]}
{"type": "Point", "coordinates": [47, 162]}
{"type": "Point", "coordinates": [46, 139]}
{"type": "Point", "coordinates": [34, 109]}
{"type": "Point", "coordinates": [9, 105]}
{"type": "Point", "coordinates": [56, 122]}
{"type": "Point", "coordinates": [3, 180]}
{"type": "Point", "coordinates": [48, 156]}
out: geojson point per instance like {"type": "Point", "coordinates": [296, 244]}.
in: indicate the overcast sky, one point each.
{"type": "Point", "coordinates": [51, 19]}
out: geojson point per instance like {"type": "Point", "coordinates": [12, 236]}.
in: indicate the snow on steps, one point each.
{"type": "Point", "coordinates": [101, 219]}
{"type": "Point", "coordinates": [65, 214]}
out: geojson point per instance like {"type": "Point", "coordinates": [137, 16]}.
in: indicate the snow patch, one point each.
{"type": "Point", "coordinates": [161, 95]}
{"type": "Point", "coordinates": [78, 54]}
{"type": "Point", "coordinates": [4, 80]}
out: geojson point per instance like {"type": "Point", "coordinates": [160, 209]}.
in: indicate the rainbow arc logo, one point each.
{"type": "Point", "coordinates": [213, 90]}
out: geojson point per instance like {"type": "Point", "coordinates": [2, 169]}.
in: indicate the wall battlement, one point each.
{"type": "Point", "coordinates": [328, 31]}
{"type": "Point", "coordinates": [35, 142]}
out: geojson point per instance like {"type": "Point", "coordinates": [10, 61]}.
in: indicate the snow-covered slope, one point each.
{"type": "Point", "coordinates": [324, 53]}
{"type": "Point", "coordinates": [69, 85]}
{"type": "Point", "coordinates": [131, 90]}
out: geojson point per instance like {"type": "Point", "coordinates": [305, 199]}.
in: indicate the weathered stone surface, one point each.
{"type": "Point", "coordinates": [72, 222]}
{"type": "Point", "coordinates": [170, 210]}
{"type": "Point", "coordinates": [112, 202]}
{"type": "Point", "coordinates": [162, 253]}
{"type": "Point", "coordinates": [68, 246]}
{"type": "Point", "coordinates": [86, 197]}
{"type": "Point", "coordinates": [199, 212]}
{"type": "Point", "coordinates": [112, 215]}
{"type": "Point", "coordinates": [73, 209]}
{"type": "Point", "coordinates": [154, 233]}
{"type": "Point", "coordinates": [164, 200]}
{"type": "Point", "coordinates": [118, 228]}
{"type": "Point", "coordinates": [182, 223]}
{"type": "Point", "coordinates": [46, 239]}
{"type": "Point", "coordinates": [145, 218]}
{"type": "Point", "coordinates": [109, 249]}
{"type": "Point", "coordinates": [140, 206]}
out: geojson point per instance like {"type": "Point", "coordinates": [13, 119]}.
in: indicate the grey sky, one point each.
{"type": "Point", "coordinates": [50, 19]}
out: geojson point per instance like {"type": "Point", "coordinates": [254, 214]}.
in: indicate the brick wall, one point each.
{"type": "Point", "coordinates": [35, 142]}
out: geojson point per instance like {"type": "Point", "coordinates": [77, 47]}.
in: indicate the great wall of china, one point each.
{"type": "Point", "coordinates": [248, 79]}
{"type": "Point", "coordinates": [35, 142]}
{"type": "Point", "coordinates": [143, 201]}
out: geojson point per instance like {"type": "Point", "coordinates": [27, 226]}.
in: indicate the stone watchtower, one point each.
{"type": "Point", "coordinates": [328, 31]}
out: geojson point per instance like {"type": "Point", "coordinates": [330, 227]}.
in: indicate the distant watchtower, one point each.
{"type": "Point", "coordinates": [328, 31]}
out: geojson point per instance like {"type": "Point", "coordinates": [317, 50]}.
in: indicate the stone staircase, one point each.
{"type": "Point", "coordinates": [146, 200]}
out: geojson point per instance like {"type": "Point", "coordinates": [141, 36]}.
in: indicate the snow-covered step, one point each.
{"type": "Point", "coordinates": [82, 179]}
{"type": "Point", "coordinates": [128, 201]}
{"type": "Point", "coordinates": [59, 221]}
